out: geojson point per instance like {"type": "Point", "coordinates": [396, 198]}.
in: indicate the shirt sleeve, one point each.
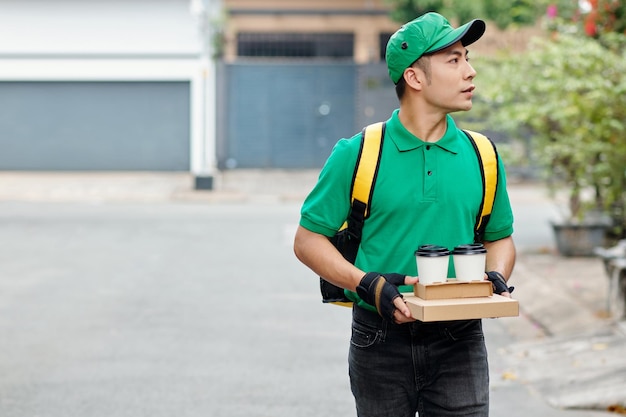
{"type": "Point", "coordinates": [501, 221]}
{"type": "Point", "coordinates": [327, 206]}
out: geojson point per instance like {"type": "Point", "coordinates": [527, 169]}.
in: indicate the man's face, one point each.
{"type": "Point", "coordinates": [451, 84]}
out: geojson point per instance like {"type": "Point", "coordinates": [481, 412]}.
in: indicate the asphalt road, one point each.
{"type": "Point", "coordinates": [179, 309]}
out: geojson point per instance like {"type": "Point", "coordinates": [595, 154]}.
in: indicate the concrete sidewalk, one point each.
{"type": "Point", "coordinates": [93, 187]}
{"type": "Point", "coordinates": [569, 348]}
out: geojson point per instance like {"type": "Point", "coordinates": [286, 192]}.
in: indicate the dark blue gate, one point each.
{"type": "Point", "coordinates": [285, 115]}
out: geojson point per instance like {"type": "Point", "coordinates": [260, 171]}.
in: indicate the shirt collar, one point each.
{"type": "Point", "coordinates": [406, 141]}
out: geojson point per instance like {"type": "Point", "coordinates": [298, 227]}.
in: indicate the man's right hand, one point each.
{"type": "Point", "coordinates": [381, 291]}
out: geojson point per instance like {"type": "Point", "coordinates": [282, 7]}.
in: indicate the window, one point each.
{"type": "Point", "coordinates": [383, 38]}
{"type": "Point", "coordinates": [296, 45]}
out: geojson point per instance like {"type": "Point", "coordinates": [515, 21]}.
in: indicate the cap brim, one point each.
{"type": "Point", "coordinates": [467, 34]}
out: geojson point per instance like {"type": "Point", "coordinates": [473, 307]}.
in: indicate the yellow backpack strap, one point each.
{"type": "Point", "coordinates": [367, 166]}
{"type": "Point", "coordinates": [488, 162]}
{"type": "Point", "coordinates": [363, 180]}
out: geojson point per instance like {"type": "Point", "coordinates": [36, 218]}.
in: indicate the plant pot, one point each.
{"type": "Point", "coordinates": [579, 239]}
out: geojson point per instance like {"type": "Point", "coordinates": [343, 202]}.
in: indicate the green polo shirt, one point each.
{"type": "Point", "coordinates": [425, 193]}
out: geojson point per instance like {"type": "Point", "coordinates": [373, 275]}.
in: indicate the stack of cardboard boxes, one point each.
{"type": "Point", "coordinates": [454, 300]}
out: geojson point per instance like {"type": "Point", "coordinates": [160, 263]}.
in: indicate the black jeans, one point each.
{"type": "Point", "coordinates": [434, 369]}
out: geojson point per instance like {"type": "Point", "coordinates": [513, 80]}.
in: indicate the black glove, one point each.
{"type": "Point", "coordinates": [498, 282]}
{"type": "Point", "coordinates": [380, 290]}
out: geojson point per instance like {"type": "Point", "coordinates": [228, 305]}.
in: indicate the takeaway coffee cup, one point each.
{"type": "Point", "coordinates": [469, 262]}
{"type": "Point", "coordinates": [432, 263]}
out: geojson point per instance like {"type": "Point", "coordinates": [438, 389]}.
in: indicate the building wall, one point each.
{"type": "Point", "coordinates": [307, 4]}
{"type": "Point", "coordinates": [365, 18]}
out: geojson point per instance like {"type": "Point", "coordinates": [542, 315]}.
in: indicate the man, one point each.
{"type": "Point", "coordinates": [428, 191]}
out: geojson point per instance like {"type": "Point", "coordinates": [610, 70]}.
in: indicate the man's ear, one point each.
{"type": "Point", "coordinates": [414, 78]}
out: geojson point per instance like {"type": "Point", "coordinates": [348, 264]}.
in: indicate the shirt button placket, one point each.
{"type": "Point", "coordinates": [430, 159]}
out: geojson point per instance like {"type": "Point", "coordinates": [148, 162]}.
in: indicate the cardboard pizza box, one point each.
{"type": "Point", "coordinates": [461, 308]}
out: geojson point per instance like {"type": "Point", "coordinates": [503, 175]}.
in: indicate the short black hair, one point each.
{"type": "Point", "coordinates": [422, 63]}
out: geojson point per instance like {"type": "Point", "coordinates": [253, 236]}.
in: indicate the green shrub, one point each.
{"type": "Point", "coordinates": [569, 93]}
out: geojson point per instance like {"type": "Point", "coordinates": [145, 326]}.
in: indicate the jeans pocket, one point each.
{"type": "Point", "coordinates": [464, 330]}
{"type": "Point", "coordinates": [363, 335]}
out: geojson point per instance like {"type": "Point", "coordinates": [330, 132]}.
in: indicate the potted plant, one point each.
{"type": "Point", "coordinates": [568, 93]}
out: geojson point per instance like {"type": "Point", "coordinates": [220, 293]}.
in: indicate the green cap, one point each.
{"type": "Point", "coordinates": [428, 33]}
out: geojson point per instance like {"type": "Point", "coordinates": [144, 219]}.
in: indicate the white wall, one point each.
{"type": "Point", "coordinates": [95, 27]}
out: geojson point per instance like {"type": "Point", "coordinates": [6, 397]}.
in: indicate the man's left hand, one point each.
{"type": "Point", "coordinates": [499, 284]}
